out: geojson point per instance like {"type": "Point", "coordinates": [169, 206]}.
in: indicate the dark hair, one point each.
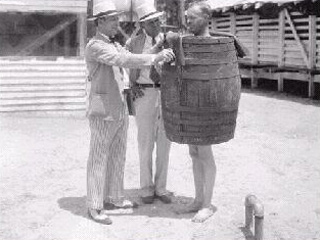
{"type": "Point", "coordinates": [203, 6]}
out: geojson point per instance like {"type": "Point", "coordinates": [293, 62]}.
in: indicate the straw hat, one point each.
{"type": "Point", "coordinates": [103, 8]}
{"type": "Point", "coordinates": [146, 11]}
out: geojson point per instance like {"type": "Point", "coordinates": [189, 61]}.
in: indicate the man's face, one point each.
{"type": "Point", "coordinates": [152, 27]}
{"type": "Point", "coordinates": [196, 21]}
{"type": "Point", "coordinates": [109, 25]}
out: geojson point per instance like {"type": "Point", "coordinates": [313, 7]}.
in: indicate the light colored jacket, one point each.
{"type": "Point", "coordinates": [101, 56]}
{"type": "Point", "coordinates": [135, 45]}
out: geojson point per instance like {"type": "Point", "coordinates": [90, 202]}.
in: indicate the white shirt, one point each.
{"type": "Point", "coordinates": [145, 72]}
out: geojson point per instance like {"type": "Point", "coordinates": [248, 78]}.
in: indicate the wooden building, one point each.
{"type": "Point", "coordinates": [283, 37]}
{"type": "Point", "coordinates": [41, 55]}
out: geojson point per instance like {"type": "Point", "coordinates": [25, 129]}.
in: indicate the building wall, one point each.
{"type": "Point", "coordinates": [43, 86]}
{"type": "Point", "coordinates": [70, 6]}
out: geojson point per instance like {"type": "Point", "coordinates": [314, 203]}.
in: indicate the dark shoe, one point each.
{"type": "Point", "coordinates": [165, 198]}
{"type": "Point", "coordinates": [124, 205]}
{"type": "Point", "coordinates": [147, 199]}
{"type": "Point", "coordinates": [99, 216]}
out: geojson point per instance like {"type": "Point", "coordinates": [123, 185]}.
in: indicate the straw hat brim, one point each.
{"type": "Point", "coordinates": [152, 16]}
{"type": "Point", "coordinates": [106, 14]}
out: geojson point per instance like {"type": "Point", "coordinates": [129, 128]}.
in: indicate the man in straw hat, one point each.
{"type": "Point", "coordinates": [107, 112]}
{"type": "Point", "coordinates": [147, 108]}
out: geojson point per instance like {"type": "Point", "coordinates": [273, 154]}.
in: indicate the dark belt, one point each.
{"type": "Point", "coordinates": [148, 85]}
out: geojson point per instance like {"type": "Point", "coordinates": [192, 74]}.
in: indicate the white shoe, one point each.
{"type": "Point", "coordinates": [99, 216]}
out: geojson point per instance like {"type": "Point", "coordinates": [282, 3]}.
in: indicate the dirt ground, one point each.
{"type": "Point", "coordinates": [275, 155]}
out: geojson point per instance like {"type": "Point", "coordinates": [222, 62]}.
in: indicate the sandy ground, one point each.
{"type": "Point", "coordinates": [275, 155]}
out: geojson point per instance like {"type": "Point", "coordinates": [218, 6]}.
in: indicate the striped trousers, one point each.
{"type": "Point", "coordinates": [105, 170]}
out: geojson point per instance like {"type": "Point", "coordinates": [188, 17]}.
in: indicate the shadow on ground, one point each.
{"type": "Point", "coordinates": [77, 206]}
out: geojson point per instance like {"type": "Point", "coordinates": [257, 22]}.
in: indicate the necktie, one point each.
{"type": "Point", "coordinates": [154, 76]}
{"type": "Point", "coordinates": [112, 39]}
{"type": "Point", "coordinates": [154, 41]}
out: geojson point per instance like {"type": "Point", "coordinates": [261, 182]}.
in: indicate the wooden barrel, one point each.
{"type": "Point", "coordinates": [200, 93]}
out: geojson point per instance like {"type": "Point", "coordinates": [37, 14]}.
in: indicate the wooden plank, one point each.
{"type": "Point", "coordinates": [244, 29]}
{"type": "Point", "coordinates": [268, 45]}
{"type": "Point", "coordinates": [294, 62]}
{"type": "Point", "coordinates": [48, 107]}
{"type": "Point", "coordinates": [296, 14]}
{"type": "Point", "coordinates": [41, 94]}
{"type": "Point", "coordinates": [41, 88]}
{"type": "Point", "coordinates": [293, 44]}
{"type": "Point", "coordinates": [82, 33]}
{"type": "Point", "coordinates": [266, 40]}
{"type": "Point", "coordinates": [312, 52]}
{"type": "Point", "coordinates": [245, 38]}
{"type": "Point", "coordinates": [195, 61]}
{"type": "Point", "coordinates": [293, 54]}
{"type": "Point", "coordinates": [43, 8]}
{"type": "Point", "coordinates": [268, 57]}
{"type": "Point", "coordinates": [25, 81]}
{"type": "Point", "coordinates": [244, 35]}
{"type": "Point", "coordinates": [268, 21]}
{"type": "Point", "coordinates": [246, 42]}
{"type": "Point", "coordinates": [233, 26]}
{"type": "Point", "coordinates": [40, 101]}
{"type": "Point", "coordinates": [208, 48]}
{"type": "Point", "coordinates": [312, 41]}
{"type": "Point", "coordinates": [66, 41]}
{"type": "Point", "coordinates": [223, 19]}
{"type": "Point", "coordinates": [296, 36]}
{"type": "Point", "coordinates": [298, 28]}
{"type": "Point", "coordinates": [274, 28]}
{"type": "Point", "coordinates": [281, 32]}
{"type": "Point", "coordinates": [42, 69]}
{"type": "Point", "coordinates": [269, 51]}
{"type": "Point", "coordinates": [244, 22]}
{"type": "Point", "coordinates": [45, 37]}
{"type": "Point", "coordinates": [269, 34]}
{"type": "Point", "coordinates": [240, 17]}
{"type": "Point", "coordinates": [292, 48]}
{"type": "Point", "coordinates": [300, 20]}
{"type": "Point", "coordinates": [254, 55]}
{"type": "Point", "coordinates": [28, 75]}
{"type": "Point", "coordinates": [301, 35]}
{"type": "Point", "coordinates": [64, 3]}
{"type": "Point", "coordinates": [48, 5]}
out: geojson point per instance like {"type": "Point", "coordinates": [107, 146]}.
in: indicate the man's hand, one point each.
{"type": "Point", "coordinates": [158, 67]}
{"type": "Point", "coordinates": [137, 92]}
{"type": "Point", "coordinates": [166, 55]}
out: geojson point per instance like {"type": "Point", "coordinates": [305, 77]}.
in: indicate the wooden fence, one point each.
{"type": "Point", "coordinates": [287, 47]}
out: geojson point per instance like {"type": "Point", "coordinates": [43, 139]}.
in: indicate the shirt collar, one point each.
{"type": "Point", "coordinates": [104, 37]}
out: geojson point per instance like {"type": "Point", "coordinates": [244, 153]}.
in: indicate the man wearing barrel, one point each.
{"type": "Point", "coordinates": [146, 87]}
{"type": "Point", "coordinates": [204, 167]}
{"type": "Point", "coordinates": [107, 113]}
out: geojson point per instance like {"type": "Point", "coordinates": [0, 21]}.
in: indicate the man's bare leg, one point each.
{"type": "Point", "coordinates": [209, 175]}
{"type": "Point", "coordinates": [198, 174]}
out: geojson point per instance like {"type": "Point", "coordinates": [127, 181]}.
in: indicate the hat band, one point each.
{"type": "Point", "coordinates": [148, 15]}
{"type": "Point", "coordinates": [105, 13]}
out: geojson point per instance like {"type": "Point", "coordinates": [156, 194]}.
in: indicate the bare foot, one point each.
{"type": "Point", "coordinates": [202, 215]}
{"type": "Point", "coordinates": [193, 207]}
